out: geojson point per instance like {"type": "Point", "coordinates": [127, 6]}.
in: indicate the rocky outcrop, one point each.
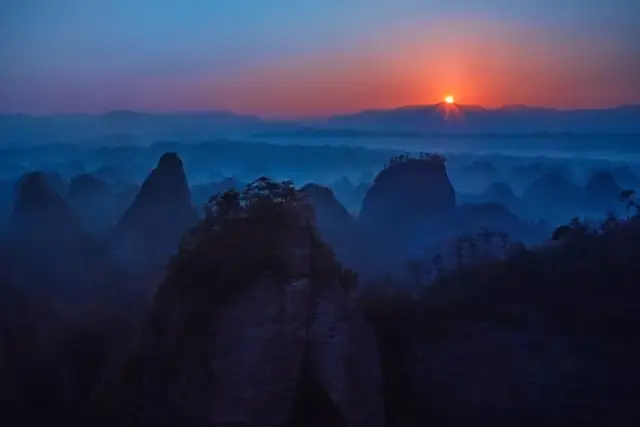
{"type": "Point", "coordinates": [246, 334]}
{"type": "Point", "coordinates": [53, 181]}
{"type": "Point", "coordinates": [260, 341]}
{"type": "Point", "coordinates": [409, 194]}
{"type": "Point", "coordinates": [151, 228]}
{"type": "Point", "coordinates": [344, 356]}
{"type": "Point", "coordinates": [266, 337]}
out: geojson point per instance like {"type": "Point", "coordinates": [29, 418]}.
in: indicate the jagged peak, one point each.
{"type": "Point", "coordinates": [40, 211]}
{"type": "Point", "coordinates": [34, 192]}
{"type": "Point", "coordinates": [161, 211]}
{"type": "Point", "coordinates": [170, 160]}
{"type": "Point", "coordinates": [166, 184]}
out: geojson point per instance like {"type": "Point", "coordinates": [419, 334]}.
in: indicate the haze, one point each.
{"type": "Point", "coordinates": [289, 58]}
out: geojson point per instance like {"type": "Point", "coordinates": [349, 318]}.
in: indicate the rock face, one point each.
{"type": "Point", "coordinates": [266, 340]}
{"type": "Point", "coordinates": [272, 334]}
{"type": "Point", "coordinates": [262, 367]}
{"type": "Point", "coordinates": [340, 340]}
{"type": "Point", "coordinates": [244, 336]}
{"type": "Point", "coordinates": [602, 192]}
{"type": "Point", "coordinates": [406, 195]}
{"type": "Point", "coordinates": [151, 227]}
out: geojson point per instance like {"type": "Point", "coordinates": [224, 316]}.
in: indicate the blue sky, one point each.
{"type": "Point", "coordinates": [59, 55]}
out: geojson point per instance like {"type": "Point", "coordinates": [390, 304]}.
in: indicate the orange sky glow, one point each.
{"type": "Point", "coordinates": [485, 66]}
{"type": "Point", "coordinates": [478, 61]}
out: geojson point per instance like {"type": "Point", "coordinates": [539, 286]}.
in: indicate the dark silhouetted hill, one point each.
{"type": "Point", "coordinates": [254, 312]}
{"type": "Point", "coordinates": [409, 194]}
{"type": "Point", "coordinates": [151, 228]}
{"type": "Point", "coordinates": [548, 335]}
{"type": "Point", "coordinates": [53, 180]}
{"type": "Point", "coordinates": [52, 250]}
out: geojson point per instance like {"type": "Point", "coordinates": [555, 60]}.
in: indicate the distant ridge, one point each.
{"type": "Point", "coordinates": [409, 121]}
{"type": "Point", "coordinates": [315, 132]}
{"type": "Point", "coordinates": [510, 119]}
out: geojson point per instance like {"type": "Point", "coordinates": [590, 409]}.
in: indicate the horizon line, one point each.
{"type": "Point", "coordinates": [268, 117]}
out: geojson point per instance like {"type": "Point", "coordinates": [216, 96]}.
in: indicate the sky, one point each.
{"type": "Point", "coordinates": [295, 58]}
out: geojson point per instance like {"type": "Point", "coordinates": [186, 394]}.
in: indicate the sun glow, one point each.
{"type": "Point", "coordinates": [449, 99]}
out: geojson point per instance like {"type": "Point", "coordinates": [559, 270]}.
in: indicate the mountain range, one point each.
{"type": "Point", "coordinates": [470, 119]}
{"type": "Point", "coordinates": [408, 121]}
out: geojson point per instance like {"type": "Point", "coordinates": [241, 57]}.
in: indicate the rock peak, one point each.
{"type": "Point", "coordinates": [238, 317]}
{"type": "Point", "coordinates": [407, 191]}
{"type": "Point", "coordinates": [159, 215]}
{"type": "Point", "coordinates": [34, 195]}
{"type": "Point", "coordinates": [165, 192]}
{"type": "Point", "coordinates": [170, 160]}
{"type": "Point", "coordinates": [44, 222]}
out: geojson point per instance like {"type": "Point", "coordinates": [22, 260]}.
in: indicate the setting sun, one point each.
{"type": "Point", "coordinates": [449, 99]}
